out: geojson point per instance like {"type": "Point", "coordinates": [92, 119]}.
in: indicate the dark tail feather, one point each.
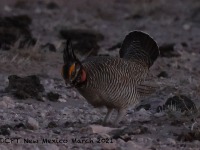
{"type": "Point", "coordinates": [139, 46]}
{"type": "Point", "coordinates": [68, 54]}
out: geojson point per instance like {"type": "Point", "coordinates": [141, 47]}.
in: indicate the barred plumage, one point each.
{"type": "Point", "coordinates": [112, 81]}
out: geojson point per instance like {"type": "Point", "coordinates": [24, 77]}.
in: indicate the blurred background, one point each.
{"type": "Point", "coordinates": [97, 27]}
{"type": "Point", "coordinates": [32, 32]}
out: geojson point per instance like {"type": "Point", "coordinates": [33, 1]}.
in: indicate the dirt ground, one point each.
{"type": "Point", "coordinates": [175, 25]}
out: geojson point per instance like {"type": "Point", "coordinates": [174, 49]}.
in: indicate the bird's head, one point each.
{"type": "Point", "coordinates": [72, 71]}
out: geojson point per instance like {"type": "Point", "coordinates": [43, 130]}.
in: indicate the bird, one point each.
{"type": "Point", "coordinates": [116, 83]}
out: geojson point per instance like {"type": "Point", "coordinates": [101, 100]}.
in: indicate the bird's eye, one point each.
{"type": "Point", "coordinates": [73, 73]}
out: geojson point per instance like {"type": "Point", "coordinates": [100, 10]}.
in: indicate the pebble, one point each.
{"type": "Point", "coordinates": [101, 129]}
{"type": "Point", "coordinates": [52, 124]}
{"type": "Point", "coordinates": [7, 8]}
{"type": "Point", "coordinates": [95, 117]}
{"type": "Point", "coordinates": [141, 140]}
{"type": "Point", "coordinates": [45, 82]}
{"type": "Point", "coordinates": [130, 145]}
{"type": "Point", "coordinates": [30, 107]}
{"type": "Point", "coordinates": [7, 102]}
{"type": "Point", "coordinates": [196, 142]}
{"type": "Point", "coordinates": [32, 123]}
{"type": "Point", "coordinates": [70, 128]}
{"type": "Point", "coordinates": [43, 114]}
{"type": "Point", "coordinates": [142, 115]}
{"type": "Point", "coordinates": [171, 141]}
{"type": "Point", "coordinates": [66, 111]}
{"type": "Point", "coordinates": [109, 146]}
{"type": "Point", "coordinates": [62, 100]}
{"type": "Point", "coordinates": [160, 114]}
{"type": "Point", "coordinates": [74, 94]}
{"type": "Point", "coordinates": [120, 141]}
{"type": "Point", "coordinates": [38, 11]}
{"type": "Point", "coordinates": [20, 106]}
{"type": "Point", "coordinates": [186, 26]}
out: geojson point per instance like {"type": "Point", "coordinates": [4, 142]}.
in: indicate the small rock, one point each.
{"type": "Point", "coordinates": [95, 117]}
{"type": "Point", "coordinates": [101, 129]}
{"type": "Point", "coordinates": [52, 124]}
{"type": "Point", "coordinates": [7, 102]}
{"type": "Point", "coordinates": [71, 129]}
{"type": "Point", "coordinates": [43, 114]}
{"type": "Point", "coordinates": [20, 106]}
{"type": "Point", "coordinates": [159, 114]}
{"type": "Point", "coordinates": [109, 146]}
{"type": "Point", "coordinates": [5, 129]}
{"type": "Point", "coordinates": [20, 125]}
{"type": "Point", "coordinates": [53, 96]}
{"type": "Point", "coordinates": [13, 28]}
{"type": "Point", "coordinates": [32, 123]}
{"type": "Point", "coordinates": [142, 115]}
{"type": "Point", "coordinates": [162, 74]}
{"type": "Point", "coordinates": [196, 142]}
{"type": "Point", "coordinates": [62, 100]}
{"type": "Point", "coordinates": [7, 8]}
{"type": "Point", "coordinates": [56, 131]}
{"type": "Point", "coordinates": [127, 132]}
{"type": "Point", "coordinates": [74, 94]}
{"type": "Point", "coordinates": [171, 141]}
{"type": "Point", "coordinates": [186, 26]}
{"type": "Point", "coordinates": [130, 145]}
{"type": "Point", "coordinates": [38, 10]}
{"type": "Point", "coordinates": [25, 87]}
{"type": "Point", "coordinates": [167, 50]}
{"type": "Point", "coordinates": [120, 141]}
{"type": "Point", "coordinates": [66, 111]}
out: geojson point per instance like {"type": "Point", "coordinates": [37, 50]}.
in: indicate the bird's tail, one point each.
{"type": "Point", "coordinates": [139, 46]}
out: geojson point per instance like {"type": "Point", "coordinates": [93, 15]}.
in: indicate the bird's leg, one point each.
{"type": "Point", "coordinates": [120, 115]}
{"type": "Point", "coordinates": [108, 115]}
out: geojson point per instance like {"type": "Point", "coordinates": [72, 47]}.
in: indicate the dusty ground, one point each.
{"type": "Point", "coordinates": [168, 22]}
